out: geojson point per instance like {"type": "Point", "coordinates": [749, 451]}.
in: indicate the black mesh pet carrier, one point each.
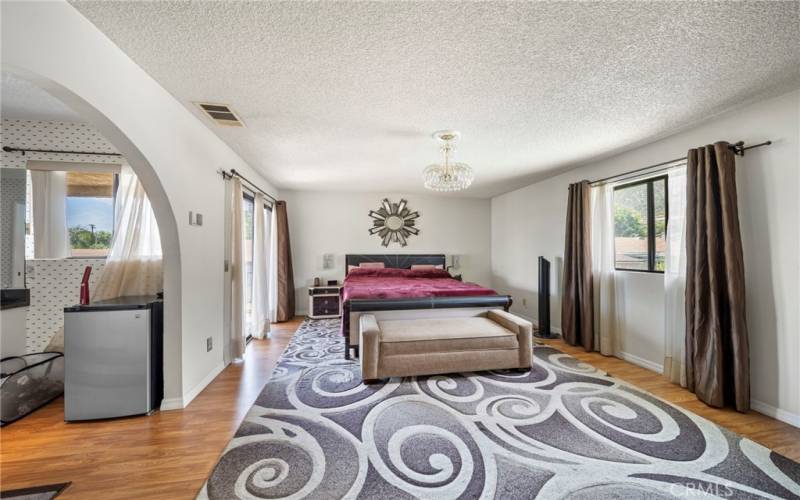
{"type": "Point", "coordinates": [29, 382]}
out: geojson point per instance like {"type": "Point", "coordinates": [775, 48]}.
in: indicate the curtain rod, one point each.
{"type": "Point", "coordinates": [9, 149]}
{"type": "Point", "coordinates": [738, 149]}
{"type": "Point", "coordinates": [233, 172]}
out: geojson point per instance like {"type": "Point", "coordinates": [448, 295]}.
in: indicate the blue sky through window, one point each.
{"type": "Point", "coordinates": [82, 211]}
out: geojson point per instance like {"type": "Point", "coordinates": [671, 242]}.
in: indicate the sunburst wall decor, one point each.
{"type": "Point", "coordinates": [393, 222]}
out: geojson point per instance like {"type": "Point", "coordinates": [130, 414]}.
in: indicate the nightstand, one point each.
{"type": "Point", "coordinates": [324, 302]}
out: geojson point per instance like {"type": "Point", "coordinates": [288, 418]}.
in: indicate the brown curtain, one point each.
{"type": "Point", "coordinates": [285, 303]}
{"type": "Point", "coordinates": [577, 303]}
{"type": "Point", "coordinates": [717, 350]}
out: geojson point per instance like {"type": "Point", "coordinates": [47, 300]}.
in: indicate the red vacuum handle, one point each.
{"type": "Point", "coordinates": [85, 286]}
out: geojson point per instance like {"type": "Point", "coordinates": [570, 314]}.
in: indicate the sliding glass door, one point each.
{"type": "Point", "coordinates": [252, 252]}
{"type": "Point", "coordinates": [248, 206]}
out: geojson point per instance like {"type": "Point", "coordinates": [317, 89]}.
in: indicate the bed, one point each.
{"type": "Point", "coordinates": [398, 292]}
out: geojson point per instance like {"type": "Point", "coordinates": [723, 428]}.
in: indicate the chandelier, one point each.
{"type": "Point", "coordinates": [447, 176]}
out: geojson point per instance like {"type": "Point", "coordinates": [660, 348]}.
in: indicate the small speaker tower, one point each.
{"type": "Point", "coordinates": [543, 331]}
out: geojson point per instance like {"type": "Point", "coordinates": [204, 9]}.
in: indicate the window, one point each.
{"type": "Point", "coordinates": [640, 225]}
{"type": "Point", "coordinates": [90, 212]}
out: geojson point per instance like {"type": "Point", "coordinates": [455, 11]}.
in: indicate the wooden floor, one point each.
{"type": "Point", "coordinates": [774, 434]}
{"type": "Point", "coordinates": [167, 455]}
{"type": "Point", "coordinates": [170, 454]}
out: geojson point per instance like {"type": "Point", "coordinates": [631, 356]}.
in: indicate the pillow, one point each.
{"type": "Point", "coordinates": [418, 267]}
{"type": "Point", "coordinates": [366, 265]}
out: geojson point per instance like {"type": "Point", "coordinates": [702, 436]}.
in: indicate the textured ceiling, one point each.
{"type": "Point", "coordinates": [344, 95]}
{"type": "Point", "coordinates": [22, 100]}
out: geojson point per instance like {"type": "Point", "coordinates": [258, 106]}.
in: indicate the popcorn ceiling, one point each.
{"type": "Point", "coordinates": [344, 95]}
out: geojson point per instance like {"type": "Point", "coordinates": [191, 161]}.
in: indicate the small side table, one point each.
{"type": "Point", "coordinates": [324, 302]}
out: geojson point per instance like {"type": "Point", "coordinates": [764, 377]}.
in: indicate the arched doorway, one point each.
{"type": "Point", "coordinates": [162, 209]}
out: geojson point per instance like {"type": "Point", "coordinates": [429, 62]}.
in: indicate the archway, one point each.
{"type": "Point", "coordinates": [162, 209]}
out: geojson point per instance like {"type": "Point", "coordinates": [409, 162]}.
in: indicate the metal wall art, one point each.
{"type": "Point", "coordinates": [393, 222]}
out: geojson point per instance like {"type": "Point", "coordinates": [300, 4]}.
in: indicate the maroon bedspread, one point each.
{"type": "Point", "coordinates": [406, 283]}
{"type": "Point", "coordinates": [402, 284]}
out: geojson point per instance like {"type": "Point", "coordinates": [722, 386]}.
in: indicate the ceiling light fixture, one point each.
{"type": "Point", "coordinates": [447, 176]}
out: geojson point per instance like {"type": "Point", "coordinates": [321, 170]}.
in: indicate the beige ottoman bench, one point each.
{"type": "Point", "coordinates": [494, 341]}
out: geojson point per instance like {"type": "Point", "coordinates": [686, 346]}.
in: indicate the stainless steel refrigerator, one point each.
{"type": "Point", "coordinates": [113, 358]}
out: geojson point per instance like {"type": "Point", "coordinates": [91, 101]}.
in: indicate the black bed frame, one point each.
{"type": "Point", "coordinates": [405, 261]}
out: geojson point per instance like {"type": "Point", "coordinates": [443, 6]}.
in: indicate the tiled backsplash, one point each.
{"type": "Point", "coordinates": [55, 284]}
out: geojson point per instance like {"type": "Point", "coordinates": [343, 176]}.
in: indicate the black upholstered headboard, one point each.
{"type": "Point", "coordinates": [396, 261]}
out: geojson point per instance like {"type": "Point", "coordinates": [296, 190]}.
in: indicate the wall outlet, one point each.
{"type": "Point", "coordinates": [209, 344]}
{"type": "Point", "coordinates": [524, 302]}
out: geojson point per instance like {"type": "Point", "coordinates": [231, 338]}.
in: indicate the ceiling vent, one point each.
{"type": "Point", "coordinates": [222, 114]}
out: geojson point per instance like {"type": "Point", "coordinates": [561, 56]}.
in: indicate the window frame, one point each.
{"type": "Point", "coordinates": [114, 188]}
{"type": "Point", "coordinates": [651, 221]}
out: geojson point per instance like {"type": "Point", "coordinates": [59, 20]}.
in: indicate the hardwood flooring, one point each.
{"type": "Point", "coordinates": [170, 454]}
{"type": "Point", "coordinates": [774, 434]}
{"type": "Point", "coordinates": [167, 455]}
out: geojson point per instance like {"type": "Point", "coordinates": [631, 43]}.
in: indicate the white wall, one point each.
{"type": "Point", "coordinates": [174, 155]}
{"type": "Point", "coordinates": [338, 223]}
{"type": "Point", "coordinates": [530, 221]}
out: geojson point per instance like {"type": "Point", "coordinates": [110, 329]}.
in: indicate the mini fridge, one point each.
{"type": "Point", "coordinates": [113, 353]}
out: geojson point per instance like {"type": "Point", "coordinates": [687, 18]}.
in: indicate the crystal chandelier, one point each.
{"type": "Point", "coordinates": [447, 176]}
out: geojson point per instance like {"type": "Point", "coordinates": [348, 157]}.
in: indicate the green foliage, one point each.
{"type": "Point", "coordinates": [629, 223]}
{"type": "Point", "coordinates": [80, 237]}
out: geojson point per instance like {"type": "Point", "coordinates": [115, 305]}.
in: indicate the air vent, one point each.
{"type": "Point", "coordinates": [221, 114]}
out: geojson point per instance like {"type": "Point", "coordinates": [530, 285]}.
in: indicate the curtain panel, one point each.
{"type": "Point", "coordinates": [261, 246]}
{"type": "Point", "coordinates": [48, 207]}
{"type": "Point", "coordinates": [603, 270]}
{"type": "Point", "coordinates": [272, 275]}
{"type": "Point", "coordinates": [285, 273]}
{"type": "Point", "coordinates": [577, 323]}
{"type": "Point", "coordinates": [675, 279]}
{"type": "Point", "coordinates": [236, 341]}
{"type": "Point", "coordinates": [717, 349]}
{"type": "Point", "coordinates": [134, 262]}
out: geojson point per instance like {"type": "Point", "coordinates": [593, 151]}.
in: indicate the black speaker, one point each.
{"type": "Point", "coordinates": [544, 301]}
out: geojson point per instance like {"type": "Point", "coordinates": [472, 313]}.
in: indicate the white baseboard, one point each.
{"type": "Point", "coordinates": [776, 413]}
{"type": "Point", "coordinates": [171, 404]}
{"type": "Point", "coordinates": [644, 363]}
{"type": "Point", "coordinates": [180, 403]}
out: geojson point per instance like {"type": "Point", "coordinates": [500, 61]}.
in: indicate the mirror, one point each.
{"type": "Point", "coordinates": [394, 222]}
{"type": "Point", "coordinates": [12, 227]}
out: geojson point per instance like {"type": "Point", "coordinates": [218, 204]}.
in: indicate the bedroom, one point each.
{"type": "Point", "coordinates": [340, 103]}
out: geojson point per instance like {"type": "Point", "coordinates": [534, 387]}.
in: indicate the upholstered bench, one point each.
{"type": "Point", "coordinates": [494, 341]}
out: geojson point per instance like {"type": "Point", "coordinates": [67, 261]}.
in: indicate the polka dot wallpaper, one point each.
{"type": "Point", "coordinates": [54, 283]}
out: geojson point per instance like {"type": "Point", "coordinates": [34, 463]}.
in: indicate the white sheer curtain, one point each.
{"type": "Point", "coordinates": [260, 317]}
{"type": "Point", "coordinates": [675, 279]}
{"type": "Point", "coordinates": [605, 311]}
{"type": "Point", "coordinates": [236, 342]}
{"type": "Point", "coordinates": [134, 262]}
{"type": "Point", "coordinates": [48, 205]}
{"type": "Point", "coordinates": [272, 276]}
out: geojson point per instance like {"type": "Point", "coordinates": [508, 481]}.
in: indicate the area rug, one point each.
{"type": "Point", "coordinates": [46, 492]}
{"type": "Point", "coordinates": [562, 430]}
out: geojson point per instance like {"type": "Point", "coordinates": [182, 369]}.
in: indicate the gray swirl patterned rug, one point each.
{"type": "Point", "coordinates": [562, 430]}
